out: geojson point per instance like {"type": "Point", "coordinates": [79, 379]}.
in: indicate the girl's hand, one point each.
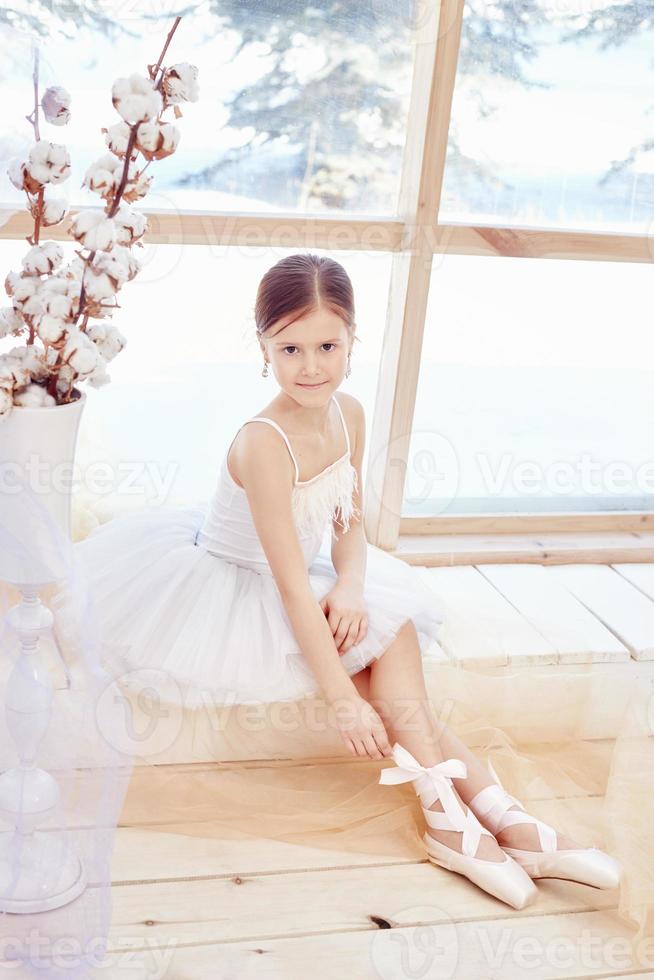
{"type": "Point", "coordinates": [347, 616]}
{"type": "Point", "coordinates": [361, 727]}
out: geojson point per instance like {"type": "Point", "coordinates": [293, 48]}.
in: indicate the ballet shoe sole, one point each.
{"type": "Point", "coordinates": [567, 867]}
{"type": "Point", "coordinates": [453, 861]}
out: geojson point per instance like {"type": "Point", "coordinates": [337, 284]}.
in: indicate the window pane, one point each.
{"type": "Point", "coordinates": [190, 374]}
{"type": "Point", "coordinates": [535, 389]}
{"type": "Point", "coordinates": [301, 108]}
{"type": "Point", "coordinates": [551, 120]}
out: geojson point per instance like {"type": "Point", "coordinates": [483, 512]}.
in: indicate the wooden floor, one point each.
{"type": "Point", "coordinates": [192, 907]}
{"type": "Point", "coordinates": [197, 908]}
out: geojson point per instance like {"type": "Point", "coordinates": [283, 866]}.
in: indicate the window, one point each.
{"type": "Point", "coordinates": [303, 107]}
{"type": "Point", "coordinates": [535, 389]}
{"type": "Point", "coordinates": [551, 117]}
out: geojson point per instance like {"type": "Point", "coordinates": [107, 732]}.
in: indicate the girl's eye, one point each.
{"type": "Point", "coordinates": [292, 347]}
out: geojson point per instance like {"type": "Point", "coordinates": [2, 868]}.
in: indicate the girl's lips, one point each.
{"type": "Point", "coordinates": [312, 386]}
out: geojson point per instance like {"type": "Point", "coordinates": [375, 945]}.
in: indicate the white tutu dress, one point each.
{"type": "Point", "coordinates": [188, 596]}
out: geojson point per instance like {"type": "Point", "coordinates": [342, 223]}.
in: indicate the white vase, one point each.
{"type": "Point", "coordinates": [37, 452]}
{"type": "Point", "coordinates": [38, 446]}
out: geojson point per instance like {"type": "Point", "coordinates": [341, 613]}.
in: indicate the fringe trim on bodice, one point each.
{"type": "Point", "coordinates": [328, 498]}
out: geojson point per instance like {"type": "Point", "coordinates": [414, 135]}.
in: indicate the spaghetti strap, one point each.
{"type": "Point", "coordinates": [262, 418]}
{"type": "Point", "coordinates": [347, 434]}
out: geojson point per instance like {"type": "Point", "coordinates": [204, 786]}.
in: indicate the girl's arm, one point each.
{"type": "Point", "coordinates": [267, 474]}
{"type": "Point", "coordinates": [349, 551]}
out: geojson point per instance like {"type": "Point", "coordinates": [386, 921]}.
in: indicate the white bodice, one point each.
{"type": "Point", "coordinates": [228, 530]}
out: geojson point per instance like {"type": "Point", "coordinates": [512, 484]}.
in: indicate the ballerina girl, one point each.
{"type": "Point", "coordinates": [252, 602]}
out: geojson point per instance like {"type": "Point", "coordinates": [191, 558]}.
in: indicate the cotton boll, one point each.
{"type": "Point", "coordinates": [80, 353]}
{"type": "Point", "coordinates": [99, 286]}
{"type": "Point", "coordinates": [104, 175]}
{"type": "Point", "coordinates": [21, 287]}
{"type": "Point", "coordinates": [19, 174]}
{"type": "Point", "coordinates": [51, 329]}
{"type": "Point", "coordinates": [66, 377]}
{"type": "Point", "coordinates": [49, 162]}
{"type": "Point", "coordinates": [107, 338]}
{"type": "Point", "coordinates": [32, 307]}
{"type": "Point", "coordinates": [12, 373]}
{"type": "Point", "coordinates": [53, 286]}
{"type": "Point", "coordinates": [94, 230]}
{"type": "Point", "coordinates": [137, 187]}
{"type": "Point", "coordinates": [130, 225]}
{"type": "Point", "coordinates": [120, 264]}
{"type": "Point", "coordinates": [34, 396]}
{"type": "Point", "coordinates": [136, 99]}
{"type": "Point", "coordinates": [59, 306]}
{"type": "Point", "coordinates": [99, 377]}
{"type": "Point", "coordinates": [11, 323]}
{"type": "Point", "coordinates": [73, 272]}
{"type": "Point", "coordinates": [43, 259]}
{"type": "Point", "coordinates": [180, 83]}
{"type": "Point", "coordinates": [56, 105]}
{"type": "Point", "coordinates": [33, 359]}
{"type": "Point", "coordinates": [157, 140]}
{"type": "Point", "coordinates": [53, 212]}
{"type": "Point", "coordinates": [116, 138]}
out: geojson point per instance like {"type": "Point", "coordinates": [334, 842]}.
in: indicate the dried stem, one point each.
{"type": "Point", "coordinates": [123, 180]}
{"type": "Point", "coordinates": [34, 119]}
{"type": "Point", "coordinates": [162, 55]}
{"type": "Point", "coordinates": [128, 159]}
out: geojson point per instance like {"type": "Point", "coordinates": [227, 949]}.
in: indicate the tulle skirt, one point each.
{"type": "Point", "coordinates": [211, 630]}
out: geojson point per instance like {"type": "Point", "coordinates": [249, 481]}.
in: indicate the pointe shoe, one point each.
{"type": "Point", "coordinates": [587, 865]}
{"type": "Point", "coordinates": [505, 880]}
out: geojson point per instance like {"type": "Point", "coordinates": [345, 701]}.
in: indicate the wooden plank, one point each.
{"type": "Point", "coordinates": [436, 45]}
{"type": "Point", "coordinates": [583, 945]}
{"type": "Point", "coordinates": [605, 548]}
{"type": "Point", "coordinates": [251, 907]}
{"type": "Point", "coordinates": [223, 228]}
{"type": "Point", "coordinates": [505, 635]}
{"type": "Point", "coordinates": [151, 852]}
{"type": "Point", "coordinates": [366, 233]}
{"type": "Point", "coordinates": [616, 602]}
{"type": "Point", "coordinates": [634, 521]}
{"type": "Point", "coordinates": [540, 947]}
{"type": "Point", "coordinates": [640, 575]}
{"type": "Point", "coordinates": [576, 635]}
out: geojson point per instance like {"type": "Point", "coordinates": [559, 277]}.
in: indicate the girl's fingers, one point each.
{"type": "Point", "coordinates": [350, 637]}
{"type": "Point", "coordinates": [381, 738]}
{"type": "Point", "coordinates": [373, 749]}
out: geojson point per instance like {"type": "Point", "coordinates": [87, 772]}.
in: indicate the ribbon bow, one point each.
{"type": "Point", "coordinates": [432, 783]}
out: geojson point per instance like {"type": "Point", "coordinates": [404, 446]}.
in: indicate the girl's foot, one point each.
{"type": "Point", "coordinates": [525, 836]}
{"type": "Point", "coordinates": [537, 847]}
{"type": "Point", "coordinates": [488, 848]}
{"type": "Point", "coordinates": [455, 839]}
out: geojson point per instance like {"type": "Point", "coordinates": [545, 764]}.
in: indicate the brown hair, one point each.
{"type": "Point", "coordinates": [299, 284]}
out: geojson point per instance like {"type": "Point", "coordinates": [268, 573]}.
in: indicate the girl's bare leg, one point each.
{"type": "Point", "coordinates": [395, 686]}
{"type": "Point", "coordinates": [397, 692]}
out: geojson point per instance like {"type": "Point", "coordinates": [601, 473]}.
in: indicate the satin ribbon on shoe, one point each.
{"type": "Point", "coordinates": [435, 783]}
{"type": "Point", "coordinates": [492, 805]}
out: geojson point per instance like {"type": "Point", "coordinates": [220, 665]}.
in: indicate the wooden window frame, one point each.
{"type": "Point", "coordinates": [413, 238]}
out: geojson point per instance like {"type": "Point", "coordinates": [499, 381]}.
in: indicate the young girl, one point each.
{"type": "Point", "coordinates": [244, 604]}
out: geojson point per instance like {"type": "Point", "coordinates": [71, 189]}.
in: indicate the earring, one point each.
{"type": "Point", "coordinates": [264, 373]}
{"type": "Point", "coordinates": [348, 369]}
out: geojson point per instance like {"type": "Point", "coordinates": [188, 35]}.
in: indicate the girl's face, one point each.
{"type": "Point", "coordinates": [308, 357]}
